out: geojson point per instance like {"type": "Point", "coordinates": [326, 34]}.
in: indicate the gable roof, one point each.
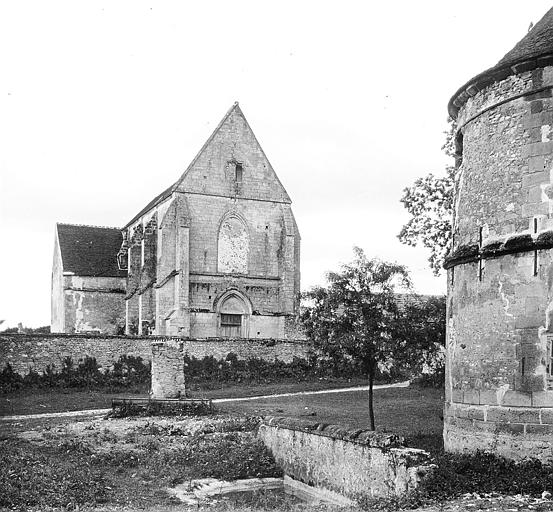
{"type": "Point", "coordinates": [534, 50]}
{"type": "Point", "coordinates": [90, 250]}
{"type": "Point", "coordinates": [167, 192]}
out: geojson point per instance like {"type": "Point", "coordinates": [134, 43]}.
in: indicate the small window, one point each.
{"type": "Point", "coordinates": [238, 173]}
{"type": "Point", "coordinates": [231, 320]}
{"type": "Point", "coordinates": [123, 260]}
{"type": "Point", "coordinates": [459, 149]}
{"type": "Point", "coordinates": [549, 364]}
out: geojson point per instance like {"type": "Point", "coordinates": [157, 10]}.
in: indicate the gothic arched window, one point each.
{"type": "Point", "coordinates": [233, 246]}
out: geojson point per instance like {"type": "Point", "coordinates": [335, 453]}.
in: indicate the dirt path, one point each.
{"type": "Point", "coordinates": [101, 412]}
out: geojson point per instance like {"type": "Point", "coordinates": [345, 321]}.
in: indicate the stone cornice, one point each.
{"type": "Point", "coordinates": [494, 75]}
{"type": "Point", "coordinates": [518, 243]}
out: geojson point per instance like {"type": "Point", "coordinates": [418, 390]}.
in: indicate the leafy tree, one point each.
{"type": "Point", "coordinates": [421, 338]}
{"type": "Point", "coordinates": [357, 314]}
{"type": "Point", "coordinates": [429, 201]}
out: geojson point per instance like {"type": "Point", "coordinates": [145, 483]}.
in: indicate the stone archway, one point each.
{"type": "Point", "coordinates": [233, 315]}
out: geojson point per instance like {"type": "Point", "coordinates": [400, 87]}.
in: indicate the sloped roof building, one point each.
{"type": "Point", "coordinates": [215, 254]}
{"type": "Point", "coordinates": [88, 287]}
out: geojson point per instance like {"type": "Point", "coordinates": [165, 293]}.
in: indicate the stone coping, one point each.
{"type": "Point", "coordinates": [516, 243]}
{"type": "Point", "coordinates": [153, 338]}
{"type": "Point", "coordinates": [364, 437]}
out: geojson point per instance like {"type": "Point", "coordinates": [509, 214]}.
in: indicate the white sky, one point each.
{"type": "Point", "coordinates": [104, 104]}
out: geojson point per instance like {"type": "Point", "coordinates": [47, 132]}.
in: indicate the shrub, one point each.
{"type": "Point", "coordinates": [10, 380]}
{"type": "Point", "coordinates": [127, 372]}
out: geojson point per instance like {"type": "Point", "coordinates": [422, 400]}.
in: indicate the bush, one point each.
{"type": "Point", "coordinates": [132, 373]}
{"type": "Point", "coordinates": [10, 380]}
{"type": "Point", "coordinates": [485, 472]}
{"type": "Point", "coordinates": [461, 474]}
{"type": "Point", "coordinates": [128, 372]}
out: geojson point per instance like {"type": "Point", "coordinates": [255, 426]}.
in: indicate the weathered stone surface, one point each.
{"type": "Point", "coordinates": [348, 462]}
{"type": "Point", "coordinates": [37, 351]}
{"type": "Point", "coordinates": [499, 305]}
{"type": "Point", "coordinates": [359, 436]}
{"type": "Point", "coordinates": [221, 241]}
{"type": "Point", "coordinates": [168, 379]}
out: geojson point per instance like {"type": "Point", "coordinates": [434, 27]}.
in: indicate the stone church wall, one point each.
{"type": "Point", "coordinates": [94, 304]}
{"type": "Point", "coordinates": [25, 351]}
{"type": "Point", "coordinates": [225, 228]}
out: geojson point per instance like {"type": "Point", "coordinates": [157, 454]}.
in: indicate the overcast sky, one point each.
{"type": "Point", "coordinates": [104, 104]}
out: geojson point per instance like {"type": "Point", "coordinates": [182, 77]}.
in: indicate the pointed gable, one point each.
{"type": "Point", "coordinates": [213, 170]}
{"type": "Point", "coordinates": [232, 164]}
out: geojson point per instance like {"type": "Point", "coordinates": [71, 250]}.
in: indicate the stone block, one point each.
{"type": "Point", "coordinates": [457, 395]}
{"type": "Point", "coordinates": [538, 168]}
{"type": "Point", "coordinates": [510, 428]}
{"type": "Point", "coordinates": [546, 430]}
{"type": "Point", "coordinates": [488, 397]}
{"type": "Point", "coordinates": [546, 416]}
{"type": "Point", "coordinates": [461, 423]}
{"type": "Point", "coordinates": [471, 396]}
{"type": "Point", "coordinates": [517, 399]}
{"type": "Point", "coordinates": [471, 413]}
{"type": "Point", "coordinates": [513, 415]}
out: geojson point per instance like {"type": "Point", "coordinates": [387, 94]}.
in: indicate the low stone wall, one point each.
{"type": "Point", "coordinates": [350, 462]}
{"type": "Point", "coordinates": [25, 351]}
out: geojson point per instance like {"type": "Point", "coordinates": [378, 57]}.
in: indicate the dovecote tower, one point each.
{"type": "Point", "coordinates": [499, 375]}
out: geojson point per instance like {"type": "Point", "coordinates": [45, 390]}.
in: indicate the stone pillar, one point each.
{"type": "Point", "coordinates": [168, 369]}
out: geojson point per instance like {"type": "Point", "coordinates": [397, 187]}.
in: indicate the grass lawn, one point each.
{"type": "Point", "coordinates": [104, 465]}
{"type": "Point", "coordinates": [413, 412]}
{"type": "Point", "coordinates": [36, 401]}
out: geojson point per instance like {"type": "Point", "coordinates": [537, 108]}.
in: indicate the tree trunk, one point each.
{"type": "Point", "coordinates": [371, 409]}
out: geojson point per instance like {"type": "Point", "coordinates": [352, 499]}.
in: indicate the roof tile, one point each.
{"type": "Point", "coordinates": [90, 250]}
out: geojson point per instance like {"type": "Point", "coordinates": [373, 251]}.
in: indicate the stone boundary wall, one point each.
{"type": "Point", "coordinates": [350, 462]}
{"type": "Point", "coordinates": [37, 351]}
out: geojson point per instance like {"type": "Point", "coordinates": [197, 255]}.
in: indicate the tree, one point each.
{"type": "Point", "coordinates": [422, 341]}
{"type": "Point", "coordinates": [429, 201]}
{"type": "Point", "coordinates": [357, 314]}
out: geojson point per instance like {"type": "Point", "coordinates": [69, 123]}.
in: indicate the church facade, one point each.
{"type": "Point", "coordinates": [216, 254]}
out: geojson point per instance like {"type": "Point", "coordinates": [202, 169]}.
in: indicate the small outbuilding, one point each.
{"type": "Point", "coordinates": [88, 288]}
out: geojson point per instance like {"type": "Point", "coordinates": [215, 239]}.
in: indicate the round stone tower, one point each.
{"type": "Point", "coordinates": [499, 375]}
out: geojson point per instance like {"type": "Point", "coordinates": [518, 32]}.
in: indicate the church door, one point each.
{"type": "Point", "coordinates": [231, 317]}
{"type": "Point", "coordinates": [231, 325]}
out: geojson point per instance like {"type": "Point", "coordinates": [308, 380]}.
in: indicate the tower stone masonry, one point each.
{"type": "Point", "coordinates": [499, 372]}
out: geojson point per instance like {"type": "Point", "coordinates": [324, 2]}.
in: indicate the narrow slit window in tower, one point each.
{"type": "Point", "coordinates": [549, 358]}
{"type": "Point", "coordinates": [480, 260]}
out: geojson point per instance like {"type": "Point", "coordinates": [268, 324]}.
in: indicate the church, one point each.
{"type": "Point", "coordinates": [217, 254]}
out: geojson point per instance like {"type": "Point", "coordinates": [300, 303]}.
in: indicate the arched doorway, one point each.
{"type": "Point", "coordinates": [233, 315]}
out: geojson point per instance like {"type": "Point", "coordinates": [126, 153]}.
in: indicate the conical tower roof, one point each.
{"type": "Point", "coordinates": [534, 50]}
